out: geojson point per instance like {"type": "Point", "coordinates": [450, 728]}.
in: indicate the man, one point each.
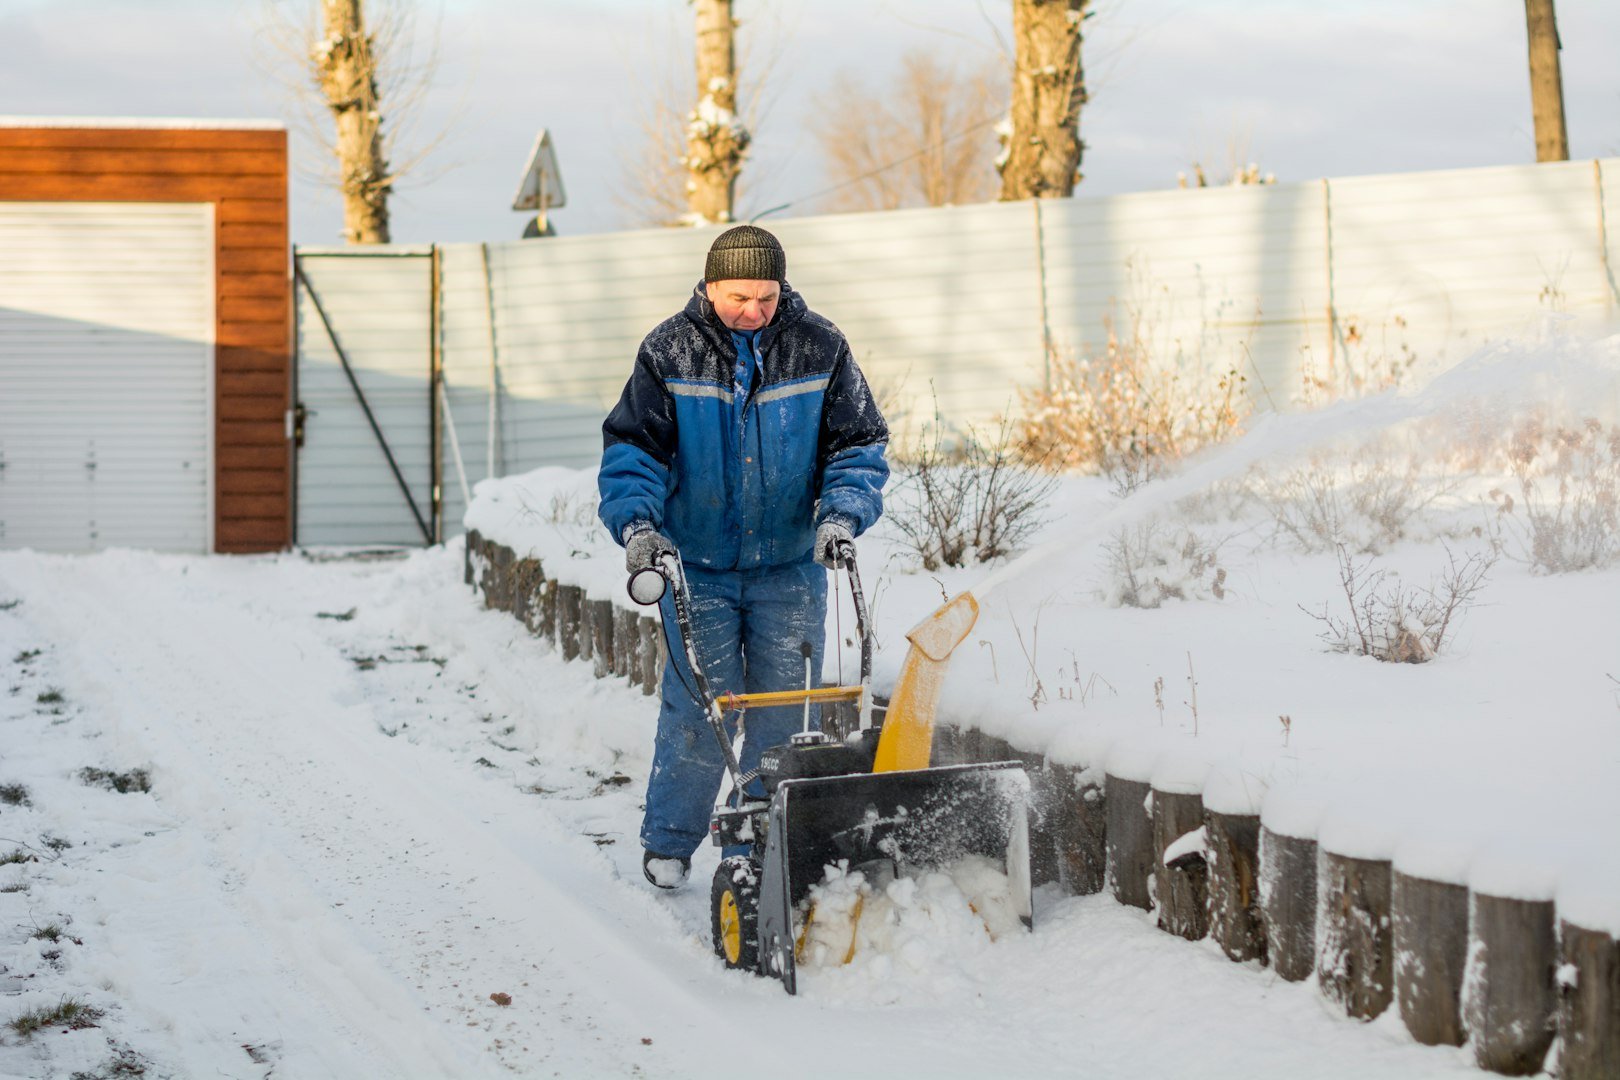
{"type": "Point", "coordinates": [747, 440]}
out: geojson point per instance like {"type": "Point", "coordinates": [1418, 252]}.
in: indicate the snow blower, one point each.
{"type": "Point", "coordinates": [870, 803]}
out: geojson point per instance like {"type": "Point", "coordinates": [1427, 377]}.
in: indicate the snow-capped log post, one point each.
{"type": "Point", "coordinates": [471, 545]}
{"type": "Point", "coordinates": [570, 598]}
{"type": "Point", "coordinates": [652, 653]}
{"type": "Point", "coordinates": [626, 643]}
{"type": "Point", "coordinates": [1130, 841]}
{"type": "Point", "coordinates": [1508, 999]}
{"type": "Point", "coordinates": [1431, 950]}
{"type": "Point", "coordinates": [1080, 822]}
{"type": "Point", "coordinates": [499, 593]}
{"type": "Point", "coordinates": [1288, 902]}
{"type": "Point", "coordinates": [1232, 843]}
{"type": "Point", "coordinates": [527, 580]}
{"type": "Point", "coordinates": [1355, 955]}
{"type": "Point", "coordinates": [1043, 843]}
{"type": "Point", "coordinates": [545, 610]}
{"type": "Point", "coordinates": [1589, 1004]}
{"type": "Point", "coordinates": [947, 748]}
{"type": "Point", "coordinates": [1179, 868]}
{"type": "Point", "coordinates": [600, 616]}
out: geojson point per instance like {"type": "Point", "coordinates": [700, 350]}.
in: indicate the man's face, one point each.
{"type": "Point", "coordinates": [744, 304]}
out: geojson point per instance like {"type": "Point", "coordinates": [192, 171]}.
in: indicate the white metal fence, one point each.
{"type": "Point", "coordinates": [959, 306]}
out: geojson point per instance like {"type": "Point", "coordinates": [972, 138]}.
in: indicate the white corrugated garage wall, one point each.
{"type": "Point", "coordinates": [106, 376]}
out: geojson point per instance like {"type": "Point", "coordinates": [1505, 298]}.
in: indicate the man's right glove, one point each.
{"type": "Point", "coordinates": [644, 546]}
{"type": "Point", "coordinates": [831, 535]}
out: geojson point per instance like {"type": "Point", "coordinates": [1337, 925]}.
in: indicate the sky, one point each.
{"type": "Point", "coordinates": [1303, 89]}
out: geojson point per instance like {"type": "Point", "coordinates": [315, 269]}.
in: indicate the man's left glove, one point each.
{"type": "Point", "coordinates": [644, 546]}
{"type": "Point", "coordinates": [831, 535]}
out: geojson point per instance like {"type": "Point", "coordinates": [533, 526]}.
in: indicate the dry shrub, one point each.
{"type": "Point", "coordinates": [1150, 562]}
{"type": "Point", "coordinates": [1567, 516]}
{"type": "Point", "coordinates": [1127, 413]}
{"type": "Point", "coordinates": [1393, 622]}
{"type": "Point", "coordinates": [1369, 498]}
{"type": "Point", "coordinates": [1362, 362]}
{"type": "Point", "coordinates": [968, 501]}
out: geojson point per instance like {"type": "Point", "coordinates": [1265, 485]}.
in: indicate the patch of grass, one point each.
{"type": "Point", "coordinates": [50, 932]}
{"type": "Point", "coordinates": [25, 656]}
{"type": "Point", "coordinates": [7, 605]}
{"type": "Point", "coordinates": [124, 1062]}
{"type": "Point", "coordinates": [69, 1013]}
{"type": "Point", "coordinates": [21, 886]}
{"type": "Point", "coordinates": [15, 856]}
{"type": "Point", "coordinates": [55, 843]}
{"type": "Point", "coordinates": [123, 783]}
{"type": "Point", "coordinates": [337, 616]}
{"type": "Point", "coordinates": [52, 696]}
{"type": "Point", "coordinates": [14, 795]}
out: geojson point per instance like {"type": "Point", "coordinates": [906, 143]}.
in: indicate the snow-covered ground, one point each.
{"type": "Point", "coordinates": [375, 806]}
{"type": "Point", "coordinates": [360, 829]}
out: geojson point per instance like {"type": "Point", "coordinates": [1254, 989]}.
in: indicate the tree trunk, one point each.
{"type": "Point", "coordinates": [1288, 902]}
{"type": "Point", "coordinates": [1180, 889]}
{"type": "Point", "coordinates": [1589, 1014]}
{"type": "Point", "coordinates": [716, 141]}
{"type": "Point", "coordinates": [1234, 889]}
{"type": "Point", "coordinates": [1041, 155]}
{"type": "Point", "coordinates": [1431, 949]}
{"type": "Point", "coordinates": [1546, 82]}
{"type": "Point", "coordinates": [1130, 842]}
{"type": "Point", "coordinates": [1082, 845]}
{"type": "Point", "coordinates": [346, 68]}
{"type": "Point", "coordinates": [1355, 961]}
{"type": "Point", "coordinates": [1508, 1000]}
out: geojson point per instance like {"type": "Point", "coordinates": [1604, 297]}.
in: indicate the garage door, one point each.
{"type": "Point", "coordinates": [106, 376]}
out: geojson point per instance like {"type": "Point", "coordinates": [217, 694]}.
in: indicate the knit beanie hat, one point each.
{"type": "Point", "coordinates": [745, 252]}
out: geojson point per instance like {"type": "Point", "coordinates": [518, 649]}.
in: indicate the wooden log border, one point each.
{"type": "Point", "coordinates": [1463, 968]}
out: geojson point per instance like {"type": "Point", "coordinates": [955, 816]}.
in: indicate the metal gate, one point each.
{"type": "Point", "coordinates": [366, 428]}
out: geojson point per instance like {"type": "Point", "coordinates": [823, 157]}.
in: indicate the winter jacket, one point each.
{"type": "Point", "coordinates": [739, 475]}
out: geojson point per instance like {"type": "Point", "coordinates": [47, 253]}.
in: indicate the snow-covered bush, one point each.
{"type": "Point", "coordinates": [1391, 621]}
{"type": "Point", "coordinates": [966, 502]}
{"type": "Point", "coordinates": [1369, 497]}
{"type": "Point", "coordinates": [1151, 562]}
{"type": "Point", "coordinates": [1567, 516]}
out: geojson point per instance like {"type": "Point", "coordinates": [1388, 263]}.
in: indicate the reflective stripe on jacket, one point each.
{"type": "Point", "coordinates": [738, 489]}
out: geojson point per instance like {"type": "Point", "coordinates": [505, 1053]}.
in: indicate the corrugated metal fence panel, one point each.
{"type": "Point", "coordinates": [946, 304]}
{"type": "Point", "coordinates": [939, 305]}
{"type": "Point", "coordinates": [380, 307]}
{"type": "Point", "coordinates": [1216, 279]}
{"type": "Point", "coordinates": [1436, 262]}
{"type": "Point", "coordinates": [106, 375]}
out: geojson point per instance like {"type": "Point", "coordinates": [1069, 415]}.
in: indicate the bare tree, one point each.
{"type": "Point", "coordinates": [925, 141]}
{"type": "Point", "coordinates": [1041, 150]}
{"type": "Point", "coordinates": [716, 140]}
{"type": "Point", "coordinates": [1546, 81]}
{"type": "Point", "coordinates": [356, 64]}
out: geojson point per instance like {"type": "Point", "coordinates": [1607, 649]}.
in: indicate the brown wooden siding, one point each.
{"type": "Point", "coordinates": [244, 174]}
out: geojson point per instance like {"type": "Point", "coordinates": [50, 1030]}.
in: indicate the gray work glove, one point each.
{"type": "Point", "coordinates": [644, 546]}
{"type": "Point", "coordinates": [831, 535]}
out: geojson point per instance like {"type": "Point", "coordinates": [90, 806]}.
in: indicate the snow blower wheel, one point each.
{"type": "Point", "coordinates": [734, 912]}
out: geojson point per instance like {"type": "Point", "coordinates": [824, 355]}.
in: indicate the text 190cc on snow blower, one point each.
{"type": "Point", "coordinates": [870, 803]}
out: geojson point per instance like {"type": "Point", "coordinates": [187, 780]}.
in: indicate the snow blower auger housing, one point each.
{"type": "Point", "coordinates": [870, 803]}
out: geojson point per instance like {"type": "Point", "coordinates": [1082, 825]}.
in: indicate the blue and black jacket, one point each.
{"type": "Point", "coordinates": [738, 462]}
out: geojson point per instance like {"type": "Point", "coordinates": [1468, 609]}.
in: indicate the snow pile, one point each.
{"type": "Point", "coordinates": [868, 933]}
